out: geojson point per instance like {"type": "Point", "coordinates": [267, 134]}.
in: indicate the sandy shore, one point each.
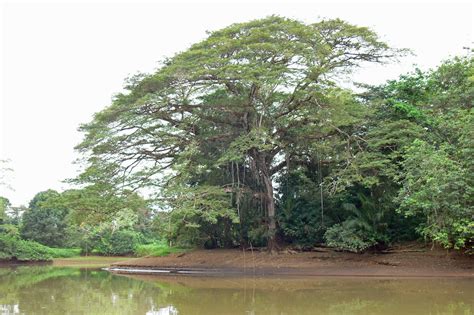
{"type": "Point", "coordinates": [401, 262]}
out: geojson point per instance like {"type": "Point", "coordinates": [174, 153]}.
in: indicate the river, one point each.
{"type": "Point", "coordinates": [64, 290]}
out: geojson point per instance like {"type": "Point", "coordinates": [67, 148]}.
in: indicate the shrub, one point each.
{"type": "Point", "coordinates": [301, 227]}
{"type": "Point", "coordinates": [6, 247]}
{"type": "Point", "coordinates": [344, 237]}
{"type": "Point", "coordinates": [32, 251]}
{"type": "Point", "coordinates": [22, 250]}
{"type": "Point", "coordinates": [299, 210]}
{"type": "Point", "coordinates": [14, 248]}
{"type": "Point", "coordinates": [122, 242]}
{"type": "Point", "coordinates": [9, 230]}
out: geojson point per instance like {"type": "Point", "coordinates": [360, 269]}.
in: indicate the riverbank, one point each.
{"type": "Point", "coordinates": [78, 262]}
{"type": "Point", "coordinates": [398, 262]}
{"type": "Point", "coordinates": [89, 261]}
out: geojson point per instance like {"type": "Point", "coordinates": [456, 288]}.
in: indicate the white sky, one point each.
{"type": "Point", "coordinates": [62, 61]}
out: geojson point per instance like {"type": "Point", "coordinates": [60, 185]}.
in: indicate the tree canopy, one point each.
{"type": "Point", "coordinates": [43, 223]}
{"type": "Point", "coordinates": [224, 117]}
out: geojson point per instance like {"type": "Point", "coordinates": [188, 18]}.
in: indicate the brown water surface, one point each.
{"type": "Point", "coordinates": [58, 290]}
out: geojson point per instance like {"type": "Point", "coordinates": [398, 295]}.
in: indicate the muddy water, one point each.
{"type": "Point", "coordinates": [54, 290]}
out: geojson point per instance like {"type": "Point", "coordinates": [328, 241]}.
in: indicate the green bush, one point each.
{"type": "Point", "coordinates": [64, 252]}
{"type": "Point", "coordinates": [257, 236]}
{"type": "Point", "coordinates": [345, 237]}
{"type": "Point", "coordinates": [301, 226]}
{"type": "Point", "coordinates": [4, 255]}
{"type": "Point", "coordinates": [14, 248]}
{"type": "Point", "coordinates": [22, 250]}
{"type": "Point", "coordinates": [32, 251]}
{"type": "Point", "coordinates": [10, 230]}
{"type": "Point", "coordinates": [122, 242]}
{"type": "Point", "coordinates": [299, 210]}
{"type": "Point", "coordinates": [6, 247]}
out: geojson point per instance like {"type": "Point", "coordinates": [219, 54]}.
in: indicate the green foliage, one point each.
{"type": "Point", "coordinates": [31, 251]}
{"type": "Point", "coordinates": [436, 169]}
{"type": "Point", "coordinates": [366, 225]}
{"type": "Point", "coordinates": [452, 85]}
{"type": "Point", "coordinates": [122, 242]}
{"type": "Point", "coordinates": [257, 236]}
{"type": "Point", "coordinates": [156, 250]}
{"type": "Point", "coordinates": [242, 95]}
{"type": "Point", "coordinates": [99, 203]}
{"type": "Point", "coordinates": [4, 204]}
{"type": "Point", "coordinates": [105, 222]}
{"type": "Point", "coordinates": [64, 252]}
{"type": "Point", "coordinates": [14, 248]}
{"type": "Point", "coordinates": [118, 236]}
{"type": "Point", "coordinates": [368, 219]}
{"type": "Point", "coordinates": [419, 94]}
{"type": "Point", "coordinates": [376, 166]}
{"type": "Point", "coordinates": [410, 111]}
{"type": "Point", "coordinates": [43, 221]}
{"type": "Point", "coordinates": [198, 212]}
{"type": "Point", "coordinates": [439, 187]}
{"type": "Point", "coordinates": [417, 155]}
{"type": "Point", "coordinates": [9, 230]}
{"type": "Point", "coordinates": [346, 237]}
{"type": "Point", "coordinates": [299, 211]}
{"type": "Point", "coordinates": [22, 250]}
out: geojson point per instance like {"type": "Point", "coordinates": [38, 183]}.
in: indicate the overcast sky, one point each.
{"type": "Point", "coordinates": [61, 62]}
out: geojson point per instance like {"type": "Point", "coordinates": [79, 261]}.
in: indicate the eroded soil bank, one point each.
{"type": "Point", "coordinates": [398, 262]}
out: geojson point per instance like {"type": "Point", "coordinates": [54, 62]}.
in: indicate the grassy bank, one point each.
{"type": "Point", "coordinates": [14, 248]}
{"type": "Point", "coordinates": [156, 250]}
{"type": "Point", "coordinates": [89, 261]}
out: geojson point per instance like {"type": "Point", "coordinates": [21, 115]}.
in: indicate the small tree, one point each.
{"type": "Point", "coordinates": [44, 223]}
{"type": "Point", "coordinates": [438, 187]}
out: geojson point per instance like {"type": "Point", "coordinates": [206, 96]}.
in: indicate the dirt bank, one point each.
{"type": "Point", "coordinates": [398, 262]}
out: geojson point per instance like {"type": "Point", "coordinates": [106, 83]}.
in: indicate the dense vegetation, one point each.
{"type": "Point", "coordinates": [47, 225]}
{"type": "Point", "coordinates": [247, 139]}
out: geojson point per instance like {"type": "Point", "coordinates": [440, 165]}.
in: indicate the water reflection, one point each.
{"type": "Point", "coordinates": [52, 290]}
{"type": "Point", "coordinates": [168, 310]}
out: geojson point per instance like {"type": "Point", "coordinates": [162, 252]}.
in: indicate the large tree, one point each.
{"type": "Point", "coordinates": [240, 100]}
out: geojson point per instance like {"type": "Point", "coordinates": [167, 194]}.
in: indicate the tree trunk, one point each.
{"type": "Point", "coordinates": [263, 171]}
{"type": "Point", "coordinates": [270, 203]}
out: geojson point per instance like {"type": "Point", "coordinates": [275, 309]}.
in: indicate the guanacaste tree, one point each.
{"type": "Point", "coordinates": [246, 96]}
